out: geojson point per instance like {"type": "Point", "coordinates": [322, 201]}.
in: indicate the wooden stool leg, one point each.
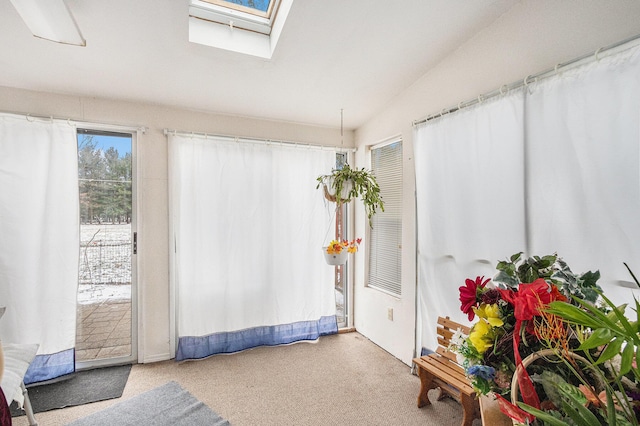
{"type": "Point", "coordinates": [426, 382]}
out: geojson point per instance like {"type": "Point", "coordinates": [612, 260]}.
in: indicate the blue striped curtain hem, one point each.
{"type": "Point", "coordinates": [190, 347]}
{"type": "Point", "coordinates": [49, 366]}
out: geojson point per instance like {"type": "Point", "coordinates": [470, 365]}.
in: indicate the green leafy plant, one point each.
{"type": "Point", "coordinates": [540, 310]}
{"type": "Point", "coordinates": [509, 317]}
{"type": "Point", "coordinates": [609, 341]}
{"type": "Point", "coordinates": [552, 269]}
{"type": "Point", "coordinates": [363, 185]}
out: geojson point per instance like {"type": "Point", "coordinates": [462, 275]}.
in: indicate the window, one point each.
{"type": "Point", "coordinates": [341, 277]}
{"type": "Point", "coordinates": [385, 238]}
{"type": "Point", "coordinates": [255, 7]}
{"type": "Point", "coordinates": [252, 15]}
{"type": "Point", "coordinates": [252, 27]}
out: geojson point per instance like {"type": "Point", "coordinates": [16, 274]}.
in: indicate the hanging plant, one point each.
{"type": "Point", "coordinates": [336, 252]}
{"type": "Point", "coordinates": [343, 185]}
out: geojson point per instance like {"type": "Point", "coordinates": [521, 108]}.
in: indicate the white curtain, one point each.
{"type": "Point", "coordinates": [553, 168]}
{"type": "Point", "coordinates": [39, 240]}
{"type": "Point", "coordinates": [470, 203]}
{"type": "Point", "coordinates": [583, 180]}
{"type": "Point", "coordinates": [248, 226]}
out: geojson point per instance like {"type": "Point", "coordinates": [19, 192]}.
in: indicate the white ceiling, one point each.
{"type": "Point", "coordinates": [333, 54]}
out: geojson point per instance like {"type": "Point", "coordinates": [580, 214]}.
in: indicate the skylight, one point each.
{"type": "Point", "coordinates": [246, 26]}
{"type": "Point", "coordinates": [256, 7]}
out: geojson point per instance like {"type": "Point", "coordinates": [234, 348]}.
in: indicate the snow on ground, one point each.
{"type": "Point", "coordinates": [105, 263]}
{"type": "Point", "coordinates": [98, 293]}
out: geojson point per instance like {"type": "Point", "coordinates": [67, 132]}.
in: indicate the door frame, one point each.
{"type": "Point", "coordinates": [133, 357]}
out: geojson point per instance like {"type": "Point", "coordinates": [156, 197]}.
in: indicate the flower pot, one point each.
{"type": "Point", "coordinates": [330, 191]}
{"type": "Point", "coordinates": [335, 259]}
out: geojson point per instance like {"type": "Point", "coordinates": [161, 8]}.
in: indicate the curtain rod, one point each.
{"type": "Point", "coordinates": [527, 80]}
{"type": "Point", "coordinates": [257, 140]}
{"type": "Point", "coordinates": [76, 123]}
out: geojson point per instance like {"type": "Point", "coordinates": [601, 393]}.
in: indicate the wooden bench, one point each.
{"type": "Point", "coordinates": [440, 370]}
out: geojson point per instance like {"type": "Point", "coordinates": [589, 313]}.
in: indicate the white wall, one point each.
{"type": "Point", "coordinates": [153, 224]}
{"type": "Point", "coordinates": [532, 37]}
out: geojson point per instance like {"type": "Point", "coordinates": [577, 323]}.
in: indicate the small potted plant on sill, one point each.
{"type": "Point", "coordinates": [342, 185]}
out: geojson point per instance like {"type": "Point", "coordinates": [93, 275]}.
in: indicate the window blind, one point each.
{"type": "Point", "coordinates": [385, 238]}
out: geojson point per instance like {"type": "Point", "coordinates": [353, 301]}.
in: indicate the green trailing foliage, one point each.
{"type": "Point", "coordinates": [364, 186]}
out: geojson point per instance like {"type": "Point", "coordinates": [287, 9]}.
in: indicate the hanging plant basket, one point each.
{"type": "Point", "coordinates": [330, 190]}
{"type": "Point", "coordinates": [335, 258]}
{"type": "Point", "coordinates": [351, 183]}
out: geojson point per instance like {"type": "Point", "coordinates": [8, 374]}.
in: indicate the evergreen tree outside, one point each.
{"type": "Point", "coordinates": [105, 182]}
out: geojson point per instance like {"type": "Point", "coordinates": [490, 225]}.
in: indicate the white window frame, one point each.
{"type": "Point", "coordinates": [234, 15]}
{"type": "Point", "coordinates": [235, 29]}
{"type": "Point", "coordinates": [384, 272]}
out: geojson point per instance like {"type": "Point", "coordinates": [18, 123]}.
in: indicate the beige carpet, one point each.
{"type": "Point", "coordinates": [342, 379]}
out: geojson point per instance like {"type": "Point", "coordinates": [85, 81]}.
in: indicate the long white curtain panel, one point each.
{"type": "Point", "coordinates": [39, 240]}
{"type": "Point", "coordinates": [583, 170]}
{"type": "Point", "coordinates": [552, 168]}
{"type": "Point", "coordinates": [248, 225]}
{"type": "Point", "coordinates": [470, 203]}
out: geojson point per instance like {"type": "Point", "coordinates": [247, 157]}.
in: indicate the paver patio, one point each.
{"type": "Point", "coordinates": [104, 330]}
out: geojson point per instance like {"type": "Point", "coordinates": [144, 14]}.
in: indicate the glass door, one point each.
{"type": "Point", "coordinates": [108, 239]}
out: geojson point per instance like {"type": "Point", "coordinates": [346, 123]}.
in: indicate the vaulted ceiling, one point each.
{"type": "Point", "coordinates": [355, 55]}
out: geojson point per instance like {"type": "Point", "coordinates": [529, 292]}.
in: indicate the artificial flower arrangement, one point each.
{"type": "Point", "coordinates": [336, 247]}
{"type": "Point", "coordinates": [537, 308]}
{"type": "Point", "coordinates": [336, 252]}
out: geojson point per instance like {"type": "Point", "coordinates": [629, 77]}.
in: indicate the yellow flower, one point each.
{"type": "Point", "coordinates": [481, 336]}
{"type": "Point", "coordinates": [334, 247]}
{"type": "Point", "coordinates": [490, 313]}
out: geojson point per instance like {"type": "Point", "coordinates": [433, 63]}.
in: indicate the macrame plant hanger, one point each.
{"type": "Point", "coordinates": [338, 213]}
{"type": "Point", "coordinates": [339, 206]}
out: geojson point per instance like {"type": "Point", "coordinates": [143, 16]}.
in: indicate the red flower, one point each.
{"type": "Point", "coordinates": [556, 295]}
{"type": "Point", "coordinates": [469, 295]}
{"type": "Point", "coordinates": [507, 295]}
{"type": "Point", "coordinates": [528, 299]}
{"type": "Point", "coordinates": [491, 296]}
